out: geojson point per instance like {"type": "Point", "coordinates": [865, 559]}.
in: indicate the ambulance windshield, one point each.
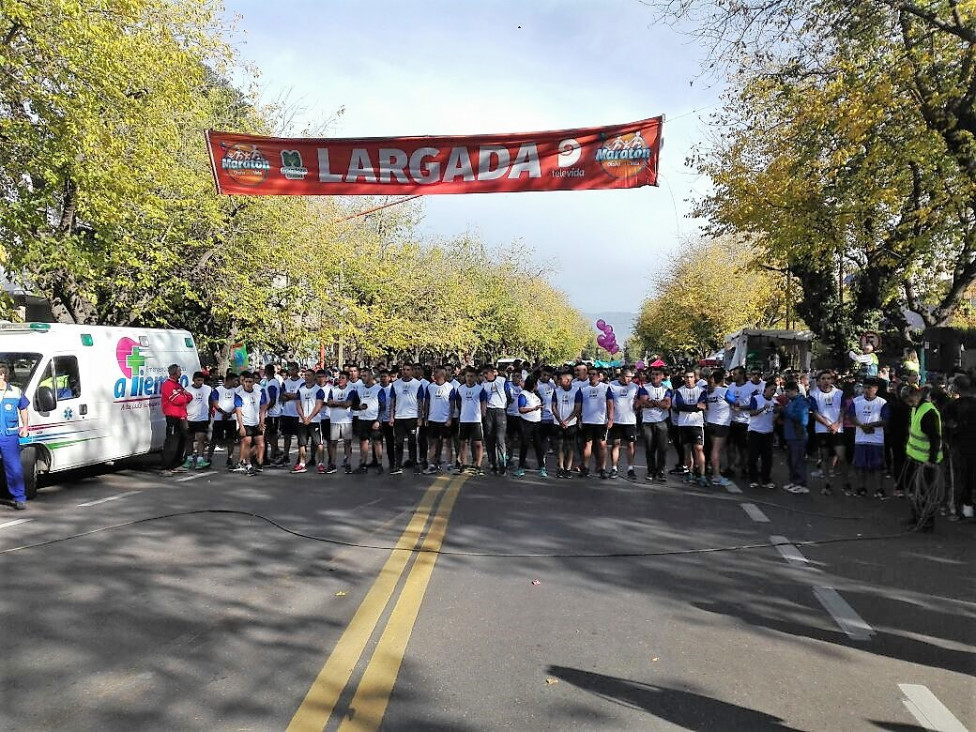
{"type": "Point", "coordinates": [20, 366]}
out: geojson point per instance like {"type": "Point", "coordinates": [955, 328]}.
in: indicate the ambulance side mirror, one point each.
{"type": "Point", "coordinates": [45, 400]}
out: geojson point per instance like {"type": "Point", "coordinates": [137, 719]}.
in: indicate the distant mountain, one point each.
{"type": "Point", "coordinates": [623, 323]}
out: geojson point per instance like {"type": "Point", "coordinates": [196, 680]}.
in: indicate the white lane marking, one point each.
{"type": "Point", "coordinates": [194, 476]}
{"type": "Point", "coordinates": [789, 552]}
{"type": "Point", "coordinates": [754, 513]}
{"type": "Point", "coordinates": [15, 522]}
{"type": "Point", "coordinates": [733, 488]}
{"type": "Point", "coordinates": [928, 710]}
{"type": "Point", "coordinates": [843, 614]}
{"type": "Point", "coordinates": [110, 498]}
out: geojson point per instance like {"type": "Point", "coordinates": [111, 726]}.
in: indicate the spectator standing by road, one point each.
{"type": "Point", "coordinates": [796, 416]}
{"type": "Point", "coordinates": [13, 426]}
{"type": "Point", "coordinates": [174, 400]}
{"type": "Point", "coordinates": [960, 424]}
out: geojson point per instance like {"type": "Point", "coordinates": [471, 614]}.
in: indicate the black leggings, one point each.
{"type": "Point", "coordinates": [656, 446]}
{"type": "Point", "coordinates": [531, 433]}
{"type": "Point", "coordinates": [404, 428]}
{"type": "Point", "coordinates": [760, 451]}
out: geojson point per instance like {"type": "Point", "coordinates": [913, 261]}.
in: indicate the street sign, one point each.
{"type": "Point", "coordinates": [872, 338]}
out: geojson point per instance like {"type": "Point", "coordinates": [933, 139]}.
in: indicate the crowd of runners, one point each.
{"type": "Point", "coordinates": [863, 437]}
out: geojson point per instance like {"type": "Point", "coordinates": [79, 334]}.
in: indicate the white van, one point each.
{"type": "Point", "coordinates": [94, 390]}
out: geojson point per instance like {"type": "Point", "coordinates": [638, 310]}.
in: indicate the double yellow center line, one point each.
{"type": "Point", "coordinates": [373, 692]}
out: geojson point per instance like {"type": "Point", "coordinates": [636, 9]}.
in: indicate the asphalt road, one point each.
{"type": "Point", "coordinates": [554, 604]}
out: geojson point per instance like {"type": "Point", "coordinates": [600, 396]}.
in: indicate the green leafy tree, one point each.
{"type": "Point", "coordinates": [848, 152]}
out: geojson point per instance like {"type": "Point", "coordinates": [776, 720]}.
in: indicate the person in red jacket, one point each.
{"type": "Point", "coordinates": [174, 399]}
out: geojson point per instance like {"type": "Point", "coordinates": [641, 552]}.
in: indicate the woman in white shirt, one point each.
{"type": "Point", "coordinates": [530, 409]}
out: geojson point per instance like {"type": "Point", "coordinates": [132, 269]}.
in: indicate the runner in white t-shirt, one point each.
{"type": "Point", "coordinates": [718, 417]}
{"type": "Point", "coordinates": [625, 394]}
{"type": "Point", "coordinates": [289, 413]}
{"type": "Point", "coordinates": [369, 431]}
{"type": "Point", "coordinates": [438, 407]}
{"type": "Point", "coordinates": [471, 401]}
{"type": "Point", "coordinates": [870, 415]}
{"type": "Point", "coordinates": [597, 412]}
{"type": "Point", "coordinates": [198, 421]}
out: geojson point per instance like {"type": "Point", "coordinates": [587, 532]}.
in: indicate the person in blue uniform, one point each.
{"type": "Point", "coordinates": [13, 426]}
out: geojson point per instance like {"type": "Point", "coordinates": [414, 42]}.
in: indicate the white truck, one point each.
{"type": "Point", "coordinates": [94, 390]}
{"type": "Point", "coordinates": [768, 350]}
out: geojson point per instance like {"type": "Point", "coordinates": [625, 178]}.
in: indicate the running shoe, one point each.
{"type": "Point", "coordinates": [788, 486]}
{"type": "Point", "coordinates": [650, 478]}
{"type": "Point", "coordinates": [203, 464]}
{"type": "Point", "coordinates": [321, 469]}
{"type": "Point", "coordinates": [631, 474]}
{"type": "Point", "coordinates": [259, 468]}
{"type": "Point", "coordinates": [770, 486]}
{"type": "Point", "coordinates": [880, 493]}
{"type": "Point", "coordinates": [702, 481]}
{"type": "Point", "coordinates": [188, 463]}
{"type": "Point", "coordinates": [362, 469]}
{"type": "Point", "coordinates": [861, 492]}
{"type": "Point", "coordinates": [519, 473]}
{"type": "Point", "coordinates": [241, 468]}
{"type": "Point", "coordinates": [347, 468]}
{"type": "Point", "coordinates": [603, 475]}
{"type": "Point", "coordinates": [431, 470]}
{"type": "Point", "coordinates": [753, 484]}
{"type": "Point", "coordinates": [660, 478]}
{"type": "Point", "coordinates": [817, 474]}
{"type": "Point", "coordinates": [180, 469]}
{"type": "Point", "coordinates": [682, 470]}
{"type": "Point", "coordinates": [827, 490]}
{"type": "Point", "coordinates": [722, 482]}
{"type": "Point", "coordinates": [396, 471]}
{"type": "Point", "coordinates": [798, 489]}
{"type": "Point", "coordinates": [614, 473]}
{"type": "Point", "coordinates": [543, 473]}
{"type": "Point", "coordinates": [299, 468]}
{"type": "Point", "coordinates": [689, 477]}
{"type": "Point", "coordinates": [331, 469]}
{"type": "Point", "coordinates": [458, 469]}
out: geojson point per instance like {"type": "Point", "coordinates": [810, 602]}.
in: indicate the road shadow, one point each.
{"type": "Point", "coordinates": [684, 708]}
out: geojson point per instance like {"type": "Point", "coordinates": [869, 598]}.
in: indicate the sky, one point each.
{"type": "Point", "coordinates": [464, 67]}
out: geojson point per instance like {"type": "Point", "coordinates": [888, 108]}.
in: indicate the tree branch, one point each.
{"type": "Point", "coordinates": [960, 30]}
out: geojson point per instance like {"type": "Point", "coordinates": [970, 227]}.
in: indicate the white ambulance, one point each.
{"type": "Point", "coordinates": [94, 390]}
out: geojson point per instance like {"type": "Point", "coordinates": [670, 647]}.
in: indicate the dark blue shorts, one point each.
{"type": "Point", "coordinates": [869, 457]}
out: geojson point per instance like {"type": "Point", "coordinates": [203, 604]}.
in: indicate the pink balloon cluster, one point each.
{"type": "Point", "coordinates": [607, 341]}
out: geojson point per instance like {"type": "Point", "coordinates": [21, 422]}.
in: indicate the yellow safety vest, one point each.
{"type": "Point", "coordinates": [919, 446]}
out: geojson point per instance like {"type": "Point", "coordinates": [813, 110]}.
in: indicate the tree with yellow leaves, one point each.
{"type": "Point", "coordinates": [710, 290]}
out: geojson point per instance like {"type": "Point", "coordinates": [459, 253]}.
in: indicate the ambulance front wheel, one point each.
{"type": "Point", "coordinates": [28, 461]}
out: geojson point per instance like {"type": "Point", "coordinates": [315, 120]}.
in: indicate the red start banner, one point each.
{"type": "Point", "coordinates": [622, 156]}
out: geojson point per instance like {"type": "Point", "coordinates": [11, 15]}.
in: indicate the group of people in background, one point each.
{"type": "Point", "coordinates": [865, 435]}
